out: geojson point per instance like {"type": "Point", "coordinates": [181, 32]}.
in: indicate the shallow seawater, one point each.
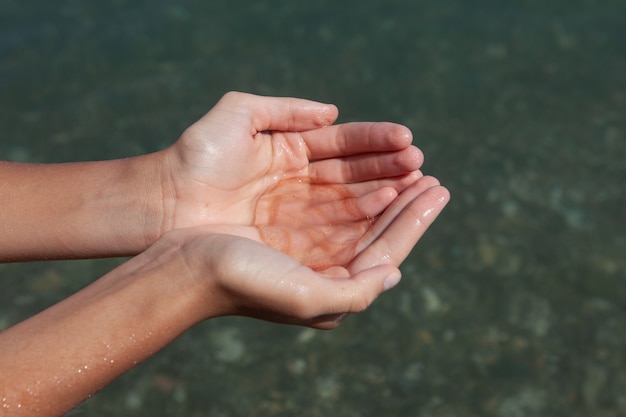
{"type": "Point", "coordinates": [513, 303]}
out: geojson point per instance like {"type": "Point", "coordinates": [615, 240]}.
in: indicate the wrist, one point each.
{"type": "Point", "coordinates": [150, 200]}
{"type": "Point", "coordinates": [186, 277]}
{"type": "Point", "coordinates": [129, 209]}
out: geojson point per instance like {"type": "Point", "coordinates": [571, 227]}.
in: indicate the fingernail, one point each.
{"type": "Point", "coordinates": [392, 280]}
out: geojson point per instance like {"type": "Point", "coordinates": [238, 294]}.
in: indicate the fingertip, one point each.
{"type": "Point", "coordinates": [405, 134]}
{"type": "Point", "coordinates": [411, 158]}
{"type": "Point", "coordinates": [443, 197]}
{"type": "Point", "coordinates": [306, 114]}
{"type": "Point", "coordinates": [442, 194]}
{"type": "Point", "coordinates": [401, 135]}
{"type": "Point", "coordinates": [445, 193]}
{"type": "Point", "coordinates": [428, 181]}
{"type": "Point", "coordinates": [392, 279]}
{"type": "Point", "coordinates": [356, 293]}
{"type": "Point", "coordinates": [431, 200]}
{"type": "Point", "coordinates": [388, 136]}
{"type": "Point", "coordinates": [332, 109]}
{"type": "Point", "coordinates": [386, 275]}
{"type": "Point", "coordinates": [329, 114]}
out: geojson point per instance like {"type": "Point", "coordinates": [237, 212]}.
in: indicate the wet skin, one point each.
{"type": "Point", "coordinates": [341, 229]}
{"type": "Point", "coordinates": [318, 224]}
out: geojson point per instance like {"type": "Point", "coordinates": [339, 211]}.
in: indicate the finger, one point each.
{"type": "Point", "coordinates": [331, 232]}
{"type": "Point", "coordinates": [367, 166]}
{"type": "Point", "coordinates": [280, 113]}
{"type": "Point", "coordinates": [334, 272]}
{"type": "Point", "coordinates": [339, 297]}
{"type": "Point", "coordinates": [401, 226]}
{"type": "Point", "coordinates": [374, 203]}
{"type": "Point", "coordinates": [324, 203]}
{"type": "Point", "coordinates": [399, 183]}
{"type": "Point", "coordinates": [393, 211]}
{"type": "Point", "coordinates": [351, 209]}
{"type": "Point", "coordinates": [341, 209]}
{"type": "Point", "coordinates": [356, 138]}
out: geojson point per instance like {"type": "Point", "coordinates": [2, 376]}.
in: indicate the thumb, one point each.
{"type": "Point", "coordinates": [353, 294]}
{"type": "Point", "coordinates": [281, 113]}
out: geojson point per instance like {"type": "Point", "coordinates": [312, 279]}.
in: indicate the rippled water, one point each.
{"type": "Point", "coordinates": [513, 303]}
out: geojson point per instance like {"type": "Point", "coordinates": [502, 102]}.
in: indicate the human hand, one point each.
{"type": "Point", "coordinates": [238, 275]}
{"type": "Point", "coordinates": [225, 163]}
{"type": "Point", "coordinates": [217, 173]}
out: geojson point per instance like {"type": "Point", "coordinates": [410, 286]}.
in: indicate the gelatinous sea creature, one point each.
{"type": "Point", "coordinates": [318, 224]}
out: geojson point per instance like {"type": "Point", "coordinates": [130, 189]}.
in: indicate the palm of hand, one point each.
{"type": "Point", "coordinates": [320, 225]}
{"type": "Point", "coordinates": [220, 183]}
{"type": "Point", "coordinates": [272, 172]}
{"type": "Point", "coordinates": [319, 222]}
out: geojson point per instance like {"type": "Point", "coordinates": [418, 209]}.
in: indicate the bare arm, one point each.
{"type": "Point", "coordinates": [208, 209]}
{"type": "Point", "coordinates": [79, 210]}
{"type": "Point", "coordinates": [214, 174]}
{"type": "Point", "coordinates": [56, 359]}
{"type": "Point", "coordinates": [61, 356]}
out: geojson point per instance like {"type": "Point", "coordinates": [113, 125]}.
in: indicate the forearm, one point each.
{"type": "Point", "coordinates": [56, 359]}
{"type": "Point", "coordinates": [79, 210]}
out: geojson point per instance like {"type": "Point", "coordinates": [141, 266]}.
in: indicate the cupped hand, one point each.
{"type": "Point", "coordinates": [288, 210]}
{"type": "Point", "coordinates": [225, 163]}
{"type": "Point", "coordinates": [232, 275]}
{"type": "Point", "coordinates": [327, 225]}
{"type": "Point", "coordinates": [239, 274]}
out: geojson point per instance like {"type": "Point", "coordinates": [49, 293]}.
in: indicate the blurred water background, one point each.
{"type": "Point", "coordinates": [512, 305]}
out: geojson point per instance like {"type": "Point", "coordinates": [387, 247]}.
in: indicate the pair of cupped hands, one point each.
{"type": "Point", "coordinates": [291, 218]}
